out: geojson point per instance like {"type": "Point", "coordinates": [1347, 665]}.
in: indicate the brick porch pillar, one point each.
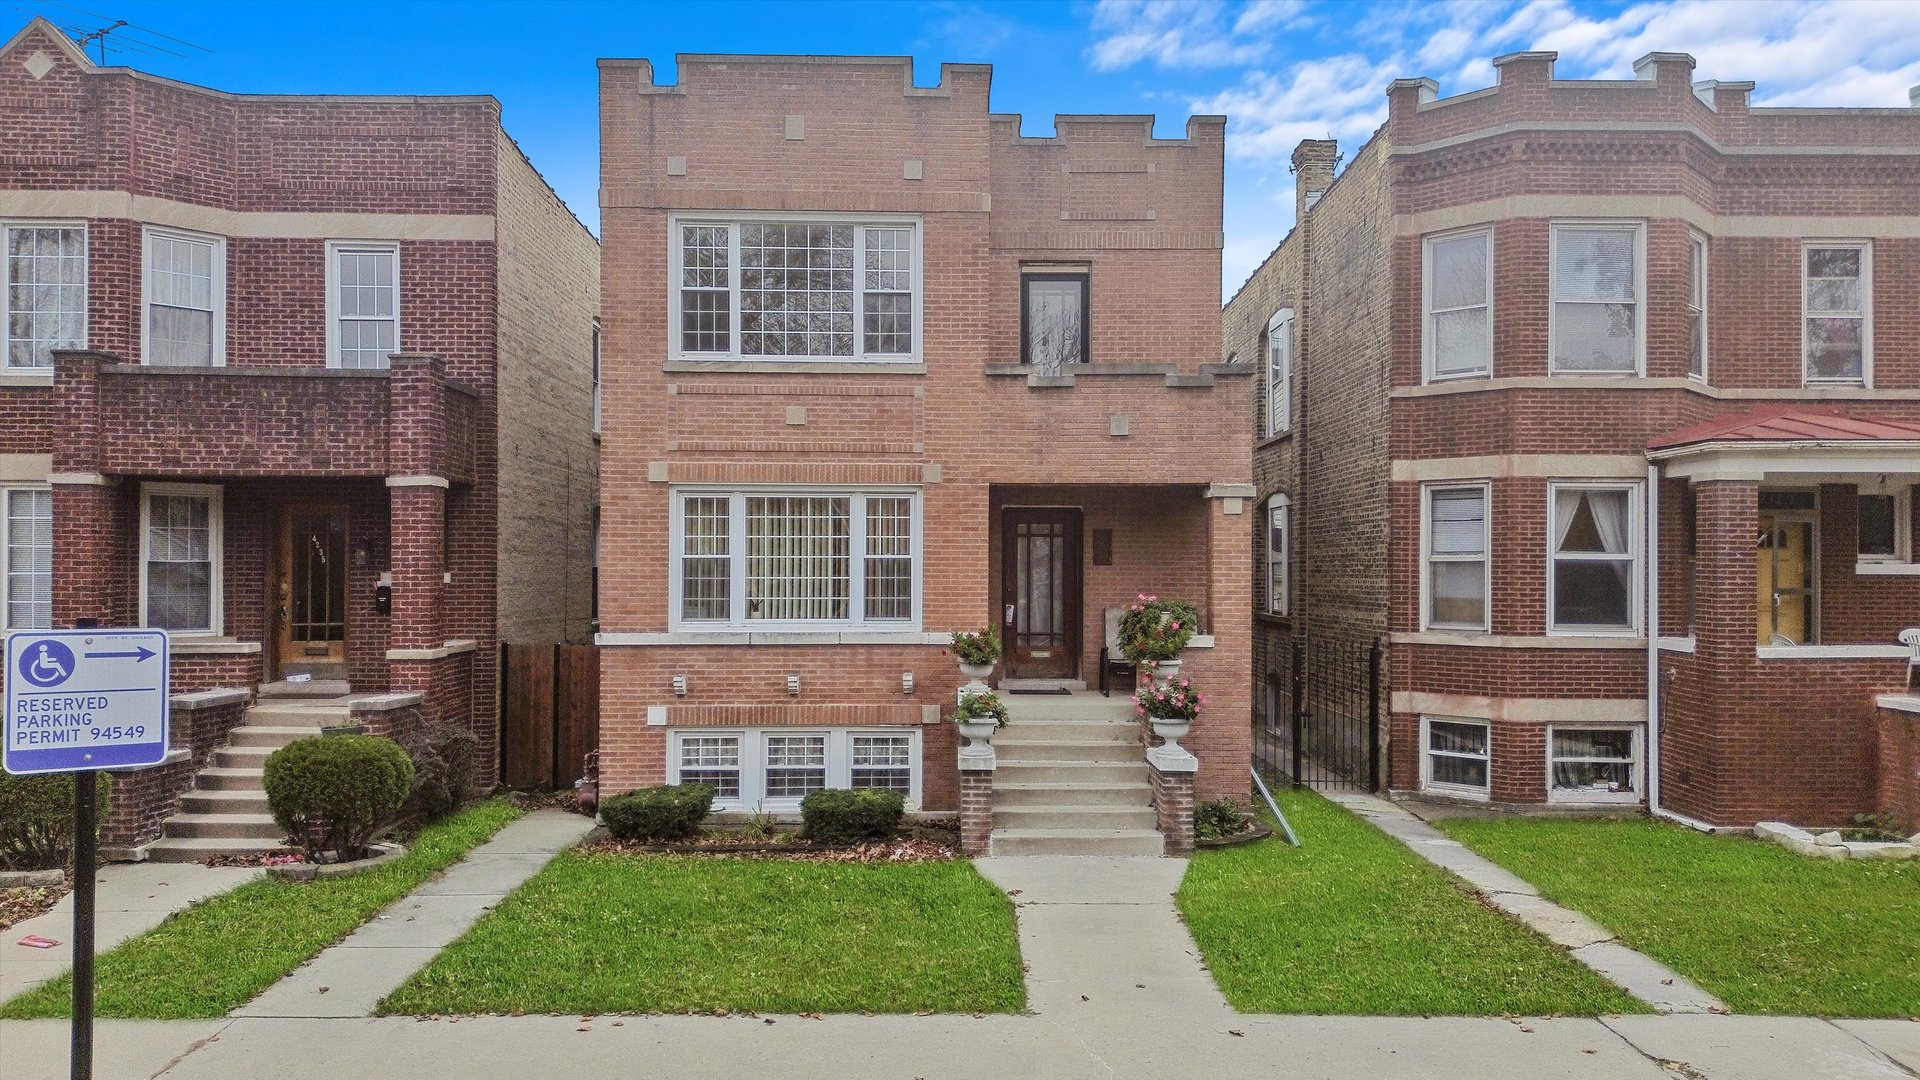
{"type": "Point", "coordinates": [1223, 735]}
{"type": "Point", "coordinates": [977, 764]}
{"type": "Point", "coordinates": [1172, 772]}
{"type": "Point", "coordinates": [87, 535]}
{"type": "Point", "coordinates": [417, 488]}
{"type": "Point", "coordinates": [1726, 520]}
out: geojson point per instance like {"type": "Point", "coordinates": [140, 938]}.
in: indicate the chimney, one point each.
{"type": "Point", "coordinates": [1525, 68]}
{"type": "Point", "coordinates": [1313, 162]}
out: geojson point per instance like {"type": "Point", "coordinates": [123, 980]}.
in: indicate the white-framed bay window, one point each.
{"type": "Point", "coordinates": [1836, 323]}
{"type": "Point", "coordinates": [775, 768]}
{"type": "Point", "coordinates": [1593, 563]}
{"type": "Point", "coordinates": [43, 291]}
{"type": "Point", "coordinates": [184, 306]}
{"type": "Point", "coordinates": [1279, 555]}
{"type": "Point", "coordinates": [1457, 298]}
{"type": "Point", "coordinates": [181, 558]}
{"type": "Point", "coordinates": [795, 559]}
{"type": "Point", "coordinates": [794, 287]}
{"type": "Point", "coordinates": [1456, 756]}
{"type": "Point", "coordinates": [1456, 542]}
{"type": "Point", "coordinates": [26, 558]}
{"type": "Point", "coordinates": [1598, 312]}
{"type": "Point", "coordinates": [1593, 763]}
{"type": "Point", "coordinates": [1280, 372]}
{"type": "Point", "coordinates": [363, 303]}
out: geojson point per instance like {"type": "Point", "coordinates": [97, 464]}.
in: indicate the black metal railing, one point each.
{"type": "Point", "coordinates": [1317, 721]}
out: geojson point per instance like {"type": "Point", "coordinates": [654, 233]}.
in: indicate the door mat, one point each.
{"type": "Point", "coordinates": [1062, 692]}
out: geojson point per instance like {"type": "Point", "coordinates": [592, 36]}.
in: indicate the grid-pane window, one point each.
{"type": "Point", "coordinates": [834, 290]}
{"type": "Point", "coordinates": [1836, 305]}
{"type": "Point", "coordinates": [28, 559]}
{"type": "Point", "coordinates": [1591, 586]}
{"type": "Point", "coordinates": [1280, 372]}
{"type": "Point", "coordinates": [183, 292]}
{"type": "Point", "coordinates": [366, 305]}
{"type": "Point", "coordinates": [181, 548]}
{"type": "Point", "coordinates": [1279, 545]}
{"type": "Point", "coordinates": [706, 576]}
{"type": "Point", "coordinates": [1593, 762]}
{"type": "Point", "coordinates": [713, 760]}
{"type": "Point", "coordinates": [1457, 557]}
{"type": "Point", "coordinates": [796, 765]}
{"type": "Point", "coordinates": [889, 572]}
{"type": "Point", "coordinates": [1460, 304]}
{"type": "Point", "coordinates": [1596, 289]}
{"type": "Point", "coordinates": [882, 761]}
{"type": "Point", "coordinates": [46, 292]}
{"type": "Point", "coordinates": [1697, 306]}
{"type": "Point", "coordinates": [798, 557]}
{"type": "Point", "coordinates": [1457, 755]}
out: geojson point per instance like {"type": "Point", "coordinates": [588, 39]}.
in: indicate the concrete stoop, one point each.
{"type": "Point", "coordinates": [226, 812]}
{"type": "Point", "coordinates": [1072, 780]}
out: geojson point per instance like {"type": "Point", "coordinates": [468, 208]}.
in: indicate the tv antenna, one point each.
{"type": "Point", "coordinates": [132, 40]}
{"type": "Point", "coordinates": [99, 38]}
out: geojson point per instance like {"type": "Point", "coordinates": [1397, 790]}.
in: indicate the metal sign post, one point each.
{"type": "Point", "coordinates": [79, 701]}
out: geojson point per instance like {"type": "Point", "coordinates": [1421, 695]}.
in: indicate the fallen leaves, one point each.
{"type": "Point", "coordinates": [19, 905]}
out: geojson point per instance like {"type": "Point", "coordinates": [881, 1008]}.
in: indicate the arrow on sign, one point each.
{"type": "Point", "coordinates": [138, 655]}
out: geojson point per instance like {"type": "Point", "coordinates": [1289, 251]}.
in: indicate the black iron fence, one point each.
{"type": "Point", "coordinates": [1317, 720]}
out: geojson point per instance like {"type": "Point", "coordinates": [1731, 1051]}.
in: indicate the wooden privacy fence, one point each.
{"type": "Point", "coordinates": [549, 713]}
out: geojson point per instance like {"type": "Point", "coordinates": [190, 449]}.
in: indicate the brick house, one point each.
{"type": "Point", "coordinates": [1019, 429]}
{"type": "Point", "coordinates": [1600, 401]}
{"type": "Point", "coordinates": [305, 380]}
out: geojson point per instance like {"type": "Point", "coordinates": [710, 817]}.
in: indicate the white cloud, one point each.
{"type": "Point", "coordinates": [1170, 33]}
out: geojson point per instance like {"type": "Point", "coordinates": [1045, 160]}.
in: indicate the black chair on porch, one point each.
{"type": "Point", "coordinates": [1113, 661]}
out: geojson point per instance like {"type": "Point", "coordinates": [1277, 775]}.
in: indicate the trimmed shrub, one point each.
{"type": "Point", "coordinates": [36, 820]}
{"type": "Point", "coordinates": [654, 814]}
{"type": "Point", "coordinates": [1218, 819]}
{"type": "Point", "coordinates": [837, 816]}
{"type": "Point", "coordinates": [336, 792]}
{"type": "Point", "coordinates": [442, 775]}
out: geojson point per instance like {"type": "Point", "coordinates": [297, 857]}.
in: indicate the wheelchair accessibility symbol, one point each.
{"type": "Point", "coordinates": [46, 664]}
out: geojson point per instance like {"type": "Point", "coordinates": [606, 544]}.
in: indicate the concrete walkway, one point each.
{"type": "Point", "coordinates": [1101, 939]}
{"type": "Point", "coordinates": [129, 899]}
{"type": "Point", "coordinates": [350, 978]}
{"type": "Point", "coordinates": [1660, 987]}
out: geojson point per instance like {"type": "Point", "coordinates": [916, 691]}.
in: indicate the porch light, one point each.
{"type": "Point", "coordinates": [679, 686]}
{"type": "Point", "coordinates": [793, 685]}
{"type": "Point", "coordinates": [906, 682]}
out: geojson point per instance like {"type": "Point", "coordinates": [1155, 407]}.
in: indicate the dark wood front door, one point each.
{"type": "Point", "coordinates": [310, 587]}
{"type": "Point", "coordinates": [1040, 592]}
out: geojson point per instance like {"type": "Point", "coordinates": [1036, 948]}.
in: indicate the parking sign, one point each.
{"type": "Point", "coordinates": [85, 699]}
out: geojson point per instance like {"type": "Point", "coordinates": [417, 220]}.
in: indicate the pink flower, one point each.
{"type": "Point", "coordinates": [1176, 625]}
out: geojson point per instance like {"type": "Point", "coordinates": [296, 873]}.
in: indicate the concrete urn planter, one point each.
{"type": "Point", "coordinates": [1170, 728]}
{"type": "Point", "coordinates": [1166, 671]}
{"type": "Point", "coordinates": [976, 731]}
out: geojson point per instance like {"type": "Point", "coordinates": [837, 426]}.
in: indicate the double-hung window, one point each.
{"type": "Point", "coordinates": [796, 559]}
{"type": "Point", "coordinates": [1280, 372]}
{"type": "Point", "coordinates": [44, 301]}
{"type": "Point", "coordinates": [1459, 304]}
{"type": "Point", "coordinates": [26, 559]}
{"type": "Point", "coordinates": [1592, 574]}
{"type": "Point", "coordinates": [363, 303]}
{"type": "Point", "coordinates": [1279, 554]}
{"type": "Point", "coordinates": [1457, 567]}
{"type": "Point", "coordinates": [1054, 329]}
{"type": "Point", "coordinates": [1595, 325]}
{"type": "Point", "coordinates": [796, 289]}
{"type": "Point", "coordinates": [186, 299]}
{"type": "Point", "coordinates": [595, 345]}
{"type": "Point", "coordinates": [1696, 305]}
{"type": "Point", "coordinates": [1837, 301]}
{"type": "Point", "coordinates": [775, 768]}
{"type": "Point", "coordinates": [1458, 756]}
{"type": "Point", "coordinates": [180, 558]}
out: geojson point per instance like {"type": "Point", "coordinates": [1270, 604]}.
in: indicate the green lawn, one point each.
{"type": "Point", "coordinates": [1352, 922]}
{"type": "Point", "coordinates": [604, 932]}
{"type": "Point", "coordinates": [216, 955]}
{"type": "Point", "coordinates": [1764, 929]}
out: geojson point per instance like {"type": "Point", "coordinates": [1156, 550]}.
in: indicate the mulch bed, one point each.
{"type": "Point", "coordinates": [19, 905]}
{"type": "Point", "coordinates": [545, 800]}
{"type": "Point", "coordinates": [897, 850]}
{"type": "Point", "coordinates": [255, 858]}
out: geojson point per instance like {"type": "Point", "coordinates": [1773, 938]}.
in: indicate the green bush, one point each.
{"type": "Point", "coordinates": [335, 792]}
{"type": "Point", "coordinates": [1218, 819]}
{"type": "Point", "coordinates": [653, 814]}
{"type": "Point", "coordinates": [36, 820]}
{"type": "Point", "coordinates": [442, 775]}
{"type": "Point", "coordinates": [837, 816]}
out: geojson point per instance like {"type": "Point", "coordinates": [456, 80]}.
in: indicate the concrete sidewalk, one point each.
{"type": "Point", "coordinates": [129, 899]}
{"type": "Point", "coordinates": [1674, 1047]}
{"type": "Point", "coordinates": [350, 978]}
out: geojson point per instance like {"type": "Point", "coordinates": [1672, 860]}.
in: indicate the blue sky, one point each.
{"type": "Point", "coordinates": [1281, 70]}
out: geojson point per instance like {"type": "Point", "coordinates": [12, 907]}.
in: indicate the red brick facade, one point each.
{"type": "Point", "coordinates": [1746, 732]}
{"type": "Point", "coordinates": [1131, 439]}
{"type": "Point", "coordinates": [410, 454]}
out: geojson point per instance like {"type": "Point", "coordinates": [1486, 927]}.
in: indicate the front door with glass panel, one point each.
{"type": "Point", "coordinates": [1784, 557]}
{"type": "Point", "coordinates": [1040, 592]}
{"type": "Point", "coordinates": [310, 586]}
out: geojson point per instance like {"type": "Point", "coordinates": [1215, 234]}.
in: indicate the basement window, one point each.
{"type": "Point", "coordinates": [1593, 764]}
{"type": "Point", "coordinates": [1457, 758]}
{"type": "Point", "coordinates": [774, 768]}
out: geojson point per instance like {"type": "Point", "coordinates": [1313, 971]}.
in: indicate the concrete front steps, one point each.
{"type": "Point", "coordinates": [1072, 779]}
{"type": "Point", "coordinates": [226, 812]}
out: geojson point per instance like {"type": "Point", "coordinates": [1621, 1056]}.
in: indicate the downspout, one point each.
{"type": "Point", "coordinates": [1653, 661]}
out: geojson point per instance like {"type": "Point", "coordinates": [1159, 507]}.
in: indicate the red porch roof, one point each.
{"type": "Point", "coordinates": [1789, 425]}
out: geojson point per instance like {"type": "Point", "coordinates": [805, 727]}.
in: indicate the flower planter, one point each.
{"type": "Point", "coordinates": [1165, 671]}
{"type": "Point", "coordinates": [976, 672]}
{"type": "Point", "coordinates": [1170, 728]}
{"type": "Point", "coordinates": [977, 731]}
